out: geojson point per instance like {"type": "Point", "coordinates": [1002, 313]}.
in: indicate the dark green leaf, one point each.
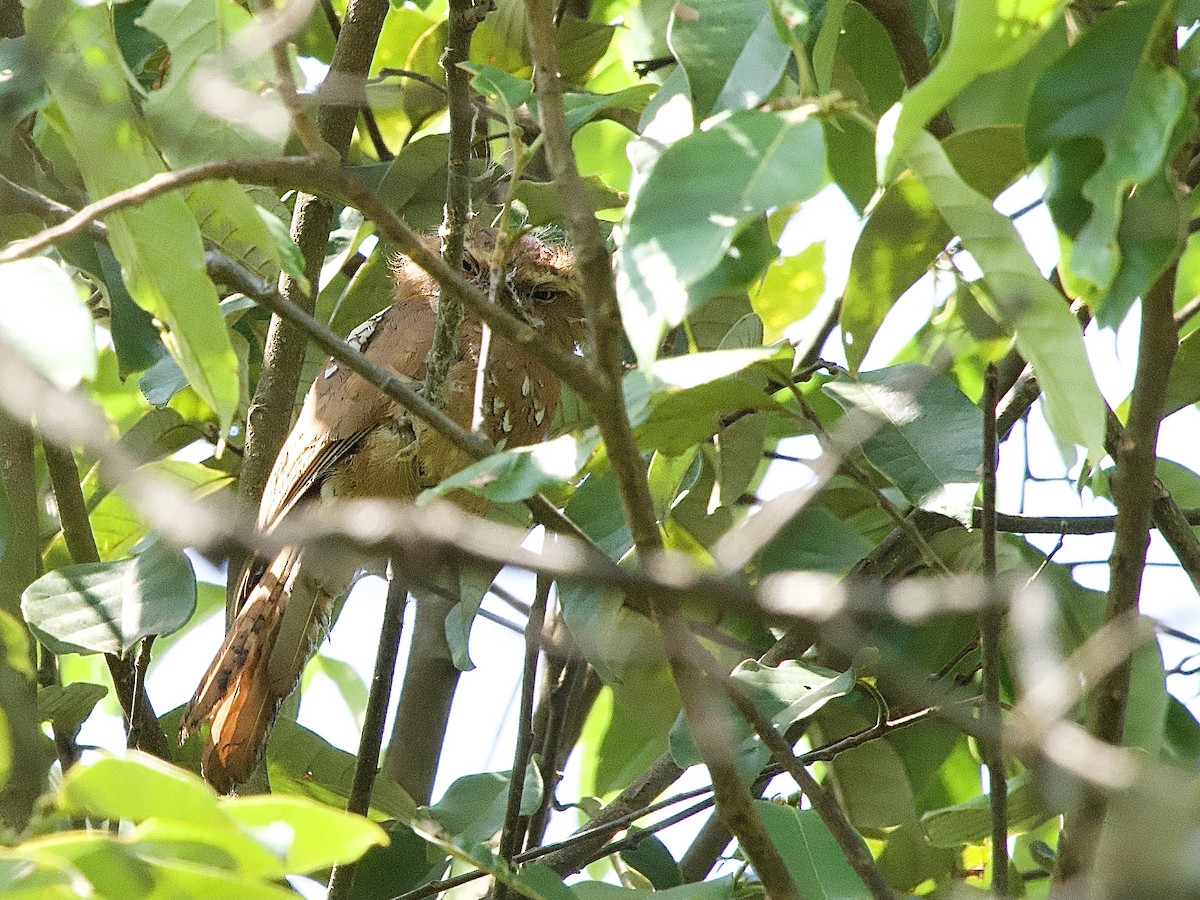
{"type": "Point", "coordinates": [785, 694]}
{"type": "Point", "coordinates": [22, 90]}
{"type": "Point", "coordinates": [108, 607]}
{"type": "Point", "coordinates": [472, 809]}
{"type": "Point", "coordinates": [730, 51]}
{"type": "Point", "coordinates": [1110, 92]}
{"type": "Point", "coordinates": [970, 822]}
{"type": "Point", "coordinates": [67, 706]}
{"type": "Point", "coordinates": [921, 431]}
{"type": "Point", "coordinates": [651, 858]}
{"type": "Point", "coordinates": [815, 540]}
{"type": "Point", "coordinates": [813, 857]}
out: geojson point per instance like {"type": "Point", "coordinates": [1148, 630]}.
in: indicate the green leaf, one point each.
{"type": "Point", "coordinates": [970, 822]}
{"type": "Point", "coordinates": [867, 49]}
{"type": "Point", "coordinates": [785, 694]}
{"type": "Point", "coordinates": [987, 35]}
{"type": "Point", "coordinates": [1003, 96]}
{"type": "Point", "coordinates": [506, 93]}
{"type": "Point", "coordinates": [407, 862]}
{"type": "Point", "coordinates": [14, 645]}
{"type": "Point", "coordinates": [789, 290]}
{"type": "Point", "coordinates": [513, 475]}
{"type": "Point", "coordinates": [237, 226]}
{"type": "Point", "coordinates": [210, 105]}
{"type": "Point", "coordinates": [22, 91]}
{"type": "Point", "coordinates": [207, 844]}
{"type": "Point", "coordinates": [650, 857]}
{"type": "Point", "coordinates": [825, 46]}
{"type": "Point", "coordinates": [921, 431]}
{"type": "Point", "coordinates": [730, 51]}
{"type": "Point", "coordinates": [1048, 336]}
{"type": "Point", "coordinates": [158, 243]}
{"type": "Point", "coordinates": [815, 540]}
{"type": "Point", "coordinates": [67, 706]}
{"type": "Point", "coordinates": [109, 607]}
{"type": "Point", "coordinates": [685, 397]}
{"type": "Point", "coordinates": [687, 211]}
{"type": "Point", "coordinates": [906, 231]}
{"type": "Point", "coordinates": [472, 809]}
{"type": "Point", "coordinates": [812, 855]}
{"type": "Point", "coordinates": [38, 299]}
{"type": "Point", "coordinates": [582, 108]}
{"type": "Point", "coordinates": [1104, 113]}
{"type": "Point", "coordinates": [716, 889]}
{"type": "Point", "coordinates": [310, 835]}
{"type": "Point", "coordinates": [135, 338]}
{"type": "Point", "coordinates": [139, 787]}
{"type": "Point", "coordinates": [1183, 385]}
{"type": "Point", "coordinates": [303, 763]}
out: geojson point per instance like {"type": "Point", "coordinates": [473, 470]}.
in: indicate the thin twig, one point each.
{"type": "Point", "coordinates": [990, 625]}
{"type": "Point", "coordinates": [141, 724]}
{"type": "Point", "coordinates": [850, 841]}
{"type": "Point", "coordinates": [462, 18]}
{"type": "Point", "coordinates": [366, 766]}
{"type": "Point", "coordinates": [512, 833]}
{"type": "Point", "coordinates": [316, 177]}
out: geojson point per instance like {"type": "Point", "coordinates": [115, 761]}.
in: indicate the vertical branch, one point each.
{"type": "Point", "coordinates": [270, 414]}
{"type": "Point", "coordinates": [430, 680]}
{"type": "Point", "coordinates": [366, 767]}
{"type": "Point", "coordinates": [377, 141]}
{"type": "Point", "coordinates": [464, 16]}
{"type": "Point", "coordinates": [20, 564]}
{"type": "Point", "coordinates": [990, 624]}
{"type": "Point", "coordinates": [21, 559]}
{"type": "Point", "coordinates": [1135, 491]}
{"type": "Point", "coordinates": [143, 730]}
{"type": "Point", "coordinates": [513, 832]}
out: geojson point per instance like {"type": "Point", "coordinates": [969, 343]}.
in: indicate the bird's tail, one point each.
{"type": "Point", "coordinates": [257, 666]}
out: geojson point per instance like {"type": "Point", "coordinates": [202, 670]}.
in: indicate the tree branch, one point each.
{"type": "Point", "coordinates": [1135, 491]}
{"type": "Point", "coordinates": [366, 765]}
{"type": "Point", "coordinates": [318, 178]}
{"type": "Point", "coordinates": [991, 623]}
{"type": "Point", "coordinates": [144, 732]}
{"type": "Point", "coordinates": [269, 416]}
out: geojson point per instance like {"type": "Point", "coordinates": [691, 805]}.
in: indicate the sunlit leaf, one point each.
{"type": "Point", "coordinates": [921, 431]}
{"type": "Point", "coordinates": [687, 212]}
{"type": "Point", "coordinates": [37, 300]}
{"type": "Point", "coordinates": [986, 35]}
{"type": "Point", "coordinates": [1048, 336]}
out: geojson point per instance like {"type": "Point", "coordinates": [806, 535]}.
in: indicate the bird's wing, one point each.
{"type": "Point", "coordinates": [341, 407]}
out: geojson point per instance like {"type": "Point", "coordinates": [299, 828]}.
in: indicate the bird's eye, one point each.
{"type": "Point", "coordinates": [543, 295]}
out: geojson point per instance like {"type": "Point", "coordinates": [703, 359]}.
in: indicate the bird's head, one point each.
{"type": "Point", "coordinates": [539, 281]}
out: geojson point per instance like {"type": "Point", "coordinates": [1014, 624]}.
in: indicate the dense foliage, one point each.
{"type": "Point", "coordinates": [950, 708]}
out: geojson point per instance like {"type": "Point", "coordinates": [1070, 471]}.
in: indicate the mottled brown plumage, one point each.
{"type": "Point", "coordinates": [352, 441]}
